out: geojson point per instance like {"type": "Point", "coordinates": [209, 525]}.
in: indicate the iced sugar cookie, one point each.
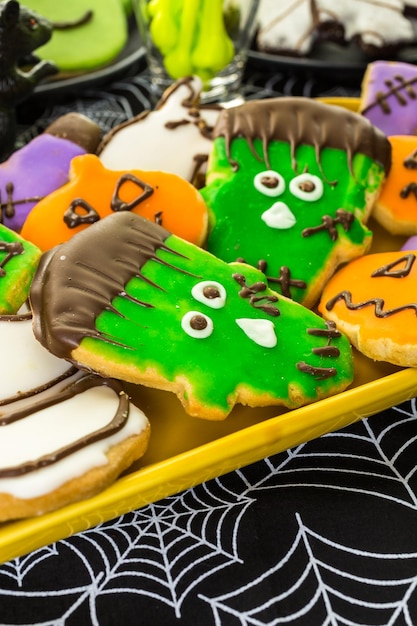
{"type": "Point", "coordinates": [93, 192]}
{"type": "Point", "coordinates": [87, 34]}
{"type": "Point", "coordinates": [290, 185]}
{"type": "Point", "coordinates": [64, 435]}
{"type": "Point", "coordinates": [377, 28]}
{"type": "Point", "coordinates": [127, 299]}
{"type": "Point", "coordinates": [175, 137]}
{"type": "Point", "coordinates": [18, 262]}
{"type": "Point", "coordinates": [42, 165]}
{"type": "Point", "coordinates": [396, 207]}
{"type": "Point", "coordinates": [373, 300]}
{"type": "Point", "coordinates": [388, 97]}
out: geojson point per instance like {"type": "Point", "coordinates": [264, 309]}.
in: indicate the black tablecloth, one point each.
{"type": "Point", "coordinates": [321, 534]}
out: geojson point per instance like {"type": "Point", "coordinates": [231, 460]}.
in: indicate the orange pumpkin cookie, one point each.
{"type": "Point", "coordinates": [396, 208]}
{"type": "Point", "coordinates": [373, 300]}
{"type": "Point", "coordinates": [93, 192]}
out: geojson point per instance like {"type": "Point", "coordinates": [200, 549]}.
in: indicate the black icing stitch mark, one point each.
{"type": "Point", "coordinates": [343, 217]}
{"type": "Point", "coordinates": [378, 303]}
{"type": "Point", "coordinates": [284, 279]}
{"type": "Point", "coordinates": [393, 89]}
{"type": "Point", "coordinates": [73, 218]}
{"type": "Point", "coordinates": [327, 351]}
{"type": "Point", "coordinates": [410, 162]}
{"type": "Point", "coordinates": [12, 248]}
{"type": "Point", "coordinates": [400, 268]}
{"type": "Point", "coordinates": [117, 204]}
{"type": "Point", "coordinates": [410, 188]}
{"type": "Point", "coordinates": [259, 302]}
{"type": "Point", "coordinates": [7, 209]}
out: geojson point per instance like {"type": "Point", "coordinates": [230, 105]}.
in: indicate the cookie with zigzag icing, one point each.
{"type": "Point", "coordinates": [373, 300]}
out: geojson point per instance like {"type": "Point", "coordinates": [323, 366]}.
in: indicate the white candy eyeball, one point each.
{"type": "Point", "coordinates": [307, 187]}
{"type": "Point", "coordinates": [197, 325]}
{"type": "Point", "coordinates": [269, 183]}
{"type": "Point", "coordinates": [211, 293]}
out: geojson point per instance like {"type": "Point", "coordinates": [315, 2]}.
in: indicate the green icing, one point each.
{"type": "Point", "coordinates": [236, 206]}
{"type": "Point", "coordinates": [18, 262]}
{"type": "Point", "coordinates": [151, 336]}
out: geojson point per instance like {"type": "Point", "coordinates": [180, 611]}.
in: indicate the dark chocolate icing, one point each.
{"type": "Point", "coordinates": [303, 121]}
{"type": "Point", "coordinates": [112, 252]}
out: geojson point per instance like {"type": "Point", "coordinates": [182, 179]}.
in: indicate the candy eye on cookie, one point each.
{"type": "Point", "coordinates": [269, 183]}
{"type": "Point", "coordinates": [197, 325]}
{"type": "Point", "coordinates": [307, 187]}
{"type": "Point", "coordinates": [211, 293]}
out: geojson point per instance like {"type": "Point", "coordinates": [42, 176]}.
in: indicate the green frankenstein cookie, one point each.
{"type": "Point", "coordinates": [290, 185]}
{"type": "Point", "coordinates": [18, 262]}
{"type": "Point", "coordinates": [129, 300]}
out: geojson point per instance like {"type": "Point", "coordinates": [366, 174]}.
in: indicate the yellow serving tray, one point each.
{"type": "Point", "coordinates": [185, 451]}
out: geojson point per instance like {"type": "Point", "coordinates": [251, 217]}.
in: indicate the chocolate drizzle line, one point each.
{"type": "Point", "coordinates": [284, 279]}
{"type": "Point", "coordinates": [79, 386]}
{"type": "Point", "coordinates": [393, 90]}
{"type": "Point", "coordinates": [117, 204]}
{"type": "Point", "coordinates": [34, 392]}
{"type": "Point", "coordinates": [410, 162]}
{"type": "Point", "coordinates": [410, 188]}
{"type": "Point", "coordinates": [300, 121]}
{"type": "Point", "coordinates": [259, 302]}
{"type": "Point", "coordinates": [400, 268]}
{"type": "Point", "coordinates": [326, 351]}
{"type": "Point", "coordinates": [378, 303]}
{"type": "Point", "coordinates": [7, 209]}
{"type": "Point", "coordinates": [12, 248]}
{"type": "Point", "coordinates": [345, 218]}
{"type": "Point", "coordinates": [73, 218]}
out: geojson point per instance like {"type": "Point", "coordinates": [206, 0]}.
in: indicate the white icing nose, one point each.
{"type": "Point", "coordinates": [261, 332]}
{"type": "Point", "coordinates": [279, 216]}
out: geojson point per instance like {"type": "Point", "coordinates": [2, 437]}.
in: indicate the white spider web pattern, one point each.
{"type": "Point", "coordinates": [307, 583]}
{"type": "Point", "coordinates": [155, 552]}
{"type": "Point", "coordinates": [385, 450]}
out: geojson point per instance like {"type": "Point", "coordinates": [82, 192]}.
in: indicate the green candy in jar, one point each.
{"type": "Point", "coordinates": [191, 36]}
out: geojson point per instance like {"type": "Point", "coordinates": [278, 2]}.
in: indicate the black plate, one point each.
{"type": "Point", "coordinates": [130, 59]}
{"type": "Point", "coordinates": [329, 60]}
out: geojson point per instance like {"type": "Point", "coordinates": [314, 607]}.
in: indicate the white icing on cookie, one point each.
{"type": "Point", "coordinates": [24, 364]}
{"type": "Point", "coordinates": [285, 25]}
{"type": "Point", "coordinates": [45, 431]}
{"type": "Point", "coordinates": [279, 216]}
{"type": "Point", "coordinates": [293, 25]}
{"type": "Point", "coordinates": [377, 22]}
{"type": "Point", "coordinates": [173, 138]}
{"type": "Point", "coordinates": [260, 331]}
{"type": "Point", "coordinates": [29, 374]}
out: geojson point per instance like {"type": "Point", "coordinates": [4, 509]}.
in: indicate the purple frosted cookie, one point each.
{"type": "Point", "coordinates": [389, 97]}
{"type": "Point", "coordinates": [42, 166]}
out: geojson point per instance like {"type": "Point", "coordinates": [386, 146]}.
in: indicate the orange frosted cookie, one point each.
{"type": "Point", "coordinates": [94, 192]}
{"type": "Point", "coordinates": [396, 208]}
{"type": "Point", "coordinates": [373, 300]}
